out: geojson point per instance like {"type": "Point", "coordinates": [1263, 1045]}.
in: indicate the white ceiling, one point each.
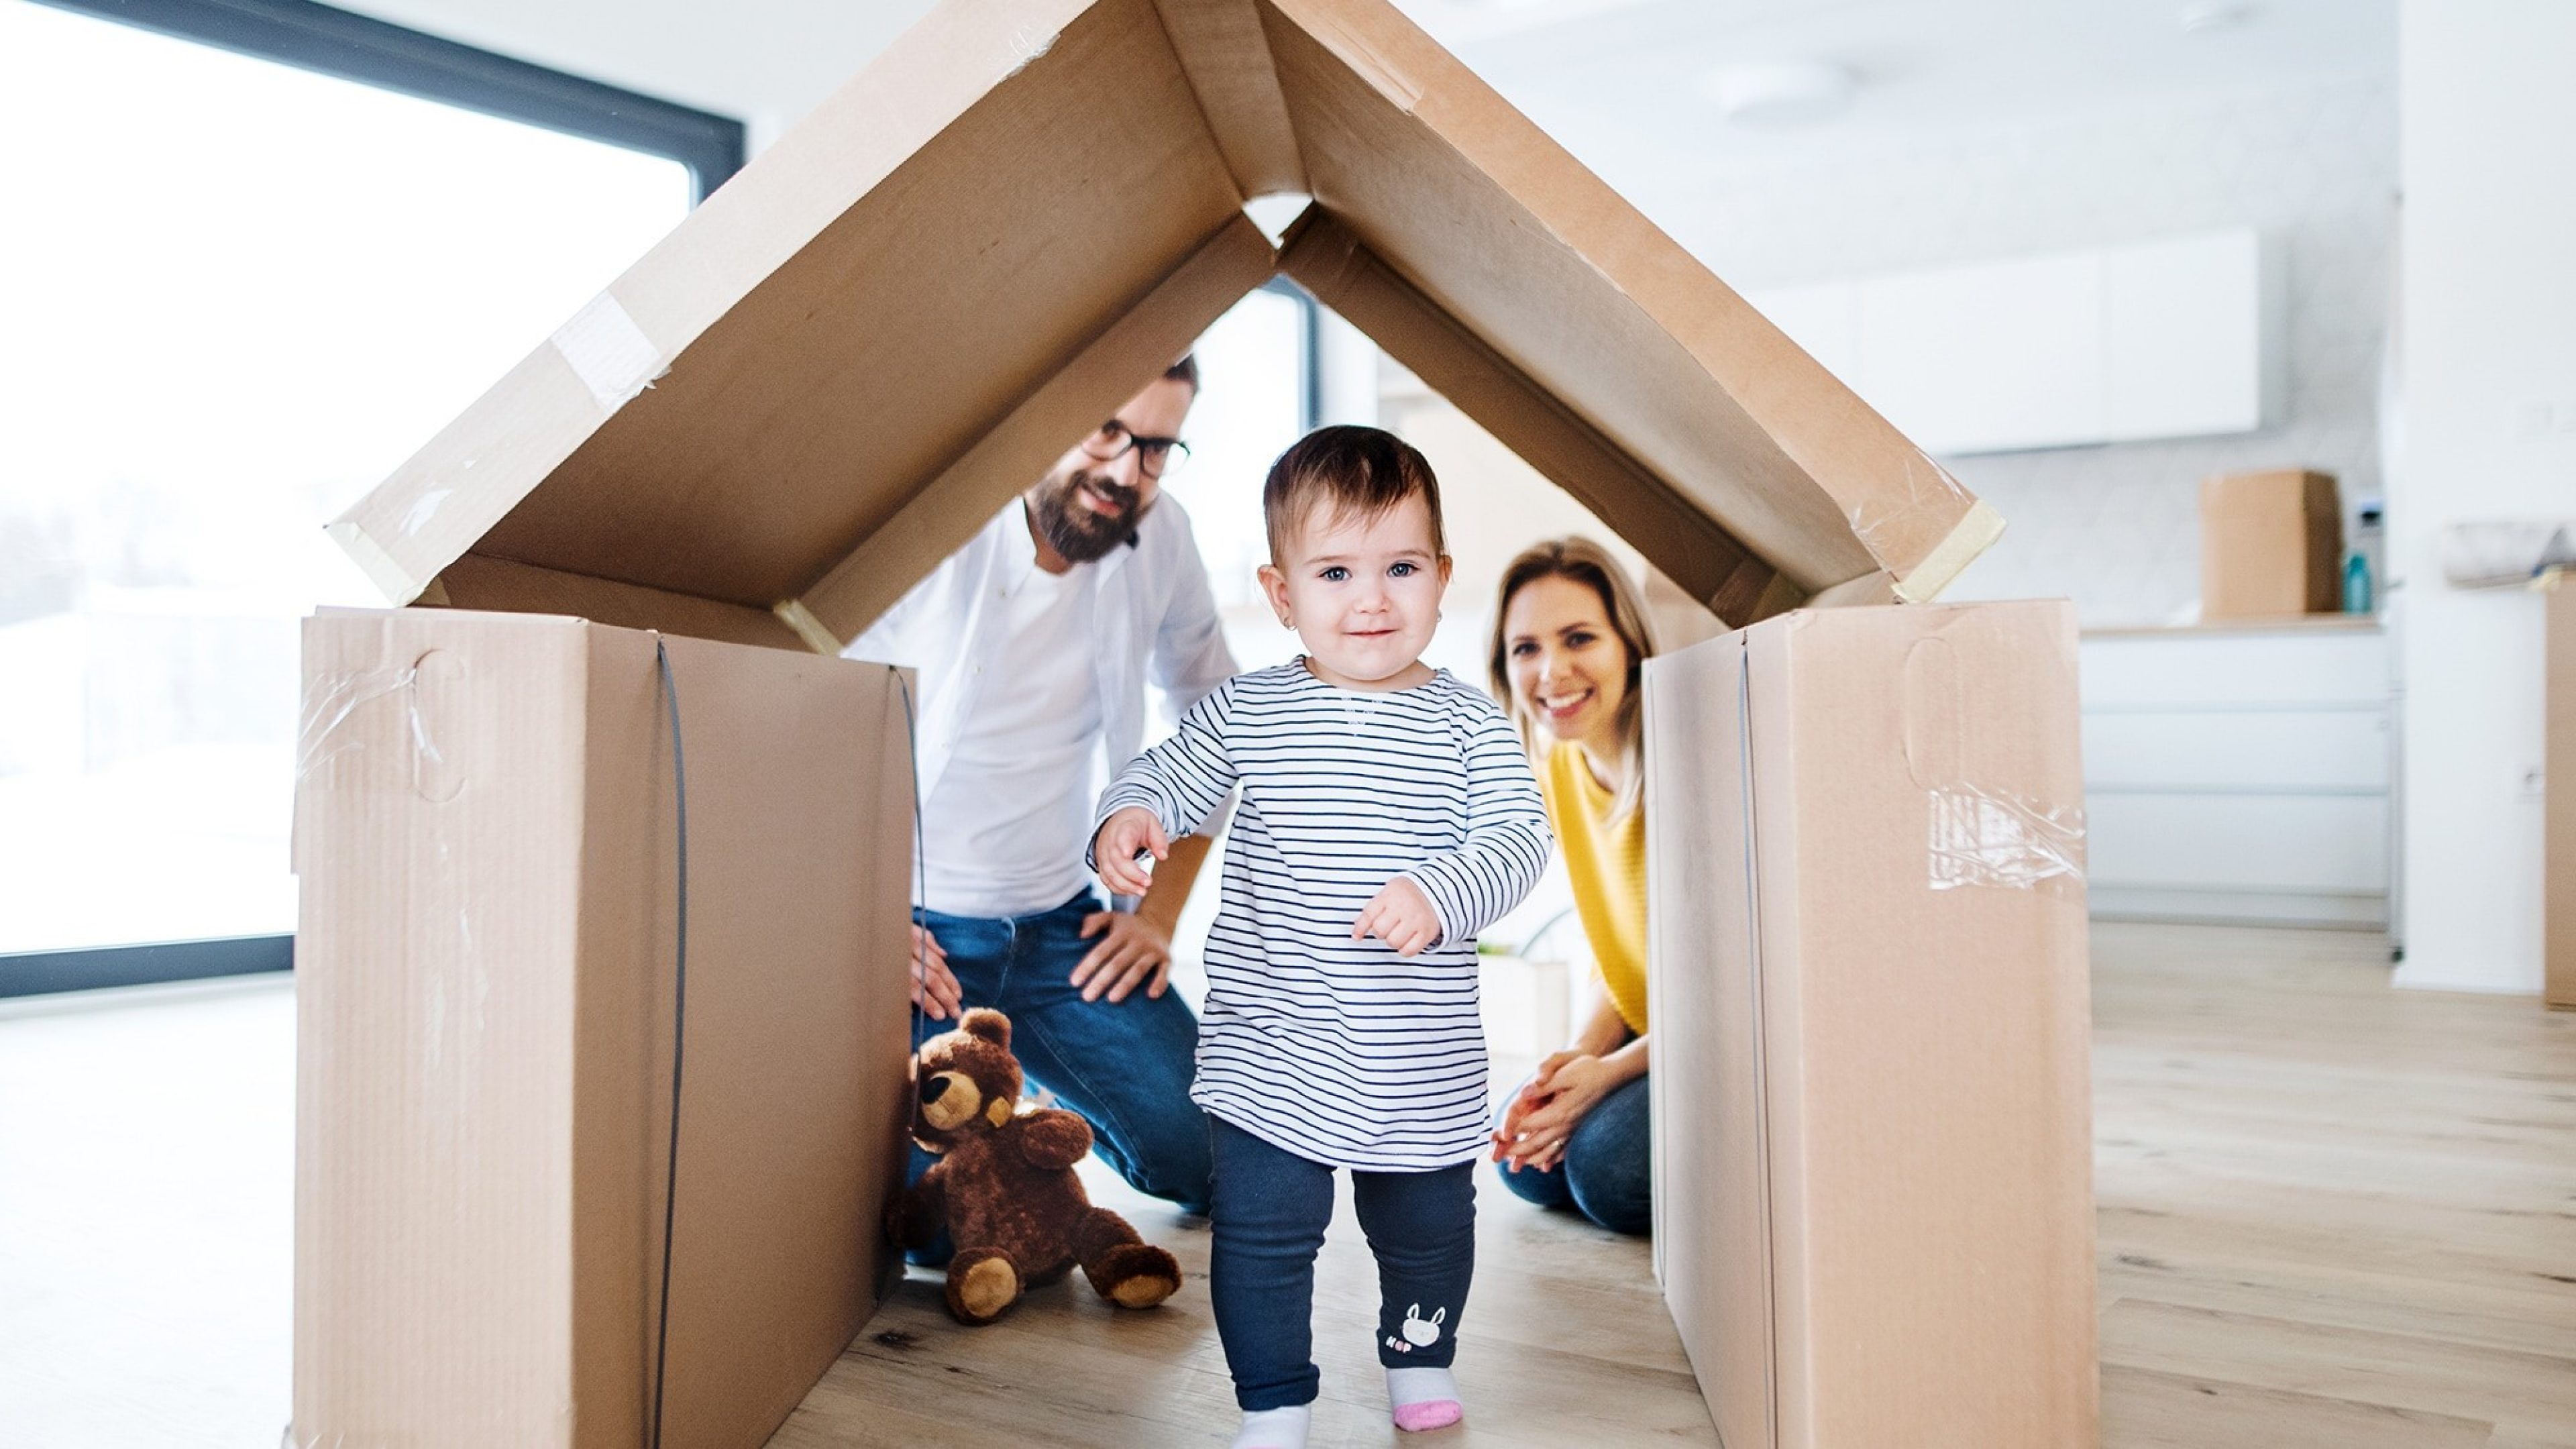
{"type": "Point", "coordinates": [1623, 83]}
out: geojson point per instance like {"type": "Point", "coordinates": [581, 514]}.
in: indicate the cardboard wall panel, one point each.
{"type": "Point", "coordinates": [487, 836]}
{"type": "Point", "coordinates": [2558, 849]}
{"type": "Point", "coordinates": [1892, 987]}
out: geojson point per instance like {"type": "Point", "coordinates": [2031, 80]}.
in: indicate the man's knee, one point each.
{"type": "Point", "coordinates": [1162, 1151]}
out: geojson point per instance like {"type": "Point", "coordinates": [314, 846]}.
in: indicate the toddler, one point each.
{"type": "Point", "coordinates": [1387, 815]}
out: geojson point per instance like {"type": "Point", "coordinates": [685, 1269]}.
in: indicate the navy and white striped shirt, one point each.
{"type": "Point", "coordinates": [1339, 1050]}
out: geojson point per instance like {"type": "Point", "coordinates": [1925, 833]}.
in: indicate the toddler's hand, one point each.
{"type": "Point", "coordinates": [1401, 916]}
{"type": "Point", "coordinates": [1121, 836]}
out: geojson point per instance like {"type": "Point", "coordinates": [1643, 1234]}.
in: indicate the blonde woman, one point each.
{"type": "Point", "coordinates": [1570, 638]}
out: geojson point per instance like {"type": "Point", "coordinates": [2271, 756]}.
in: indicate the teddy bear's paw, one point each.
{"type": "Point", "coordinates": [1136, 1275]}
{"type": "Point", "coordinates": [981, 1286]}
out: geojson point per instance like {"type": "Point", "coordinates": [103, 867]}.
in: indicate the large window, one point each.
{"type": "Point", "coordinates": [235, 293]}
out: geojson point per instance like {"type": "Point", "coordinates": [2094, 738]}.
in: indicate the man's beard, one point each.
{"type": "Point", "coordinates": [1068, 524]}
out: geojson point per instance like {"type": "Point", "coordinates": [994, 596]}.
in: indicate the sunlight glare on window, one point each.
{"type": "Point", "coordinates": [236, 295]}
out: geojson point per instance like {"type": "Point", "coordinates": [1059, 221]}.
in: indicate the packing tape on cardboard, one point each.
{"type": "Point", "coordinates": [332, 700]}
{"type": "Point", "coordinates": [1929, 487]}
{"type": "Point", "coordinates": [608, 352]}
{"type": "Point", "coordinates": [1975, 533]}
{"type": "Point", "coordinates": [1983, 837]}
{"type": "Point", "coordinates": [1028, 46]}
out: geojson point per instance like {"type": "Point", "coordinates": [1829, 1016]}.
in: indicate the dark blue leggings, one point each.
{"type": "Point", "coordinates": [1271, 1210]}
{"type": "Point", "coordinates": [1607, 1172]}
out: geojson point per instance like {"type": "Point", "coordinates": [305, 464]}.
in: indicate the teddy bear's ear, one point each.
{"type": "Point", "coordinates": [989, 1024]}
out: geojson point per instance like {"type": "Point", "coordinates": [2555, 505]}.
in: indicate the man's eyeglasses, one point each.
{"type": "Point", "coordinates": [1155, 457]}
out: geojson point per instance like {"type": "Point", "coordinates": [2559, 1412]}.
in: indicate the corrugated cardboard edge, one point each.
{"type": "Point", "coordinates": [380, 567]}
{"type": "Point", "coordinates": [2558, 802]}
{"type": "Point", "coordinates": [807, 627]}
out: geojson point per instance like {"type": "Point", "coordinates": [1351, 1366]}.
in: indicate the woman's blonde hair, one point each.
{"type": "Point", "coordinates": [1582, 561]}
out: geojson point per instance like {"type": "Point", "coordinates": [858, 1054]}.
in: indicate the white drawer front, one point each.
{"type": "Point", "coordinates": [2217, 670]}
{"type": "Point", "coordinates": [2229, 751]}
{"type": "Point", "coordinates": [2335, 843]}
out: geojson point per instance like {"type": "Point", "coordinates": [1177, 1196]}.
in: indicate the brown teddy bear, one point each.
{"type": "Point", "coordinates": [1005, 1187]}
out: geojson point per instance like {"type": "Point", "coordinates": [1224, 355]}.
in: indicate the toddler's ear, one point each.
{"type": "Point", "coordinates": [991, 1025]}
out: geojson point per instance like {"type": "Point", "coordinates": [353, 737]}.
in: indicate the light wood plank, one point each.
{"type": "Point", "coordinates": [2143, 1409]}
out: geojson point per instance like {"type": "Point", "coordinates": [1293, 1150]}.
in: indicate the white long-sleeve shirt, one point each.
{"type": "Point", "coordinates": [1338, 1050]}
{"type": "Point", "coordinates": [1147, 617]}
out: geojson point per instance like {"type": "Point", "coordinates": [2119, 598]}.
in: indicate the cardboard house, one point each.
{"type": "Point", "coordinates": [604, 739]}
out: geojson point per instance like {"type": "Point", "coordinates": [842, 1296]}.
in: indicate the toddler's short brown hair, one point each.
{"type": "Point", "coordinates": [1352, 470]}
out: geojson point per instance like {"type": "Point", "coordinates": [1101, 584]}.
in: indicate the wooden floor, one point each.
{"type": "Point", "coordinates": [2331, 1215]}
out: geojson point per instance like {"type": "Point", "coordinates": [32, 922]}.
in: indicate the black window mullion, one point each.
{"type": "Point", "coordinates": [373, 52]}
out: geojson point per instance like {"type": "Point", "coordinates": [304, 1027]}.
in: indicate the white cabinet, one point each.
{"type": "Point", "coordinates": [1973, 359]}
{"type": "Point", "coordinates": [2171, 338]}
{"type": "Point", "coordinates": [2239, 774]}
{"type": "Point", "coordinates": [2192, 329]}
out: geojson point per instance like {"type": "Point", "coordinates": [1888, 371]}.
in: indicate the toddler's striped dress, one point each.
{"type": "Point", "coordinates": [1339, 1050]}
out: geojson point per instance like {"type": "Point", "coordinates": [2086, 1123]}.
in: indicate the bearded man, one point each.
{"type": "Point", "coordinates": [1034, 644]}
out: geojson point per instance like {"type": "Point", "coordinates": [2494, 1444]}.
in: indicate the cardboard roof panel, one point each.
{"type": "Point", "coordinates": [885, 347]}
{"type": "Point", "coordinates": [908, 307]}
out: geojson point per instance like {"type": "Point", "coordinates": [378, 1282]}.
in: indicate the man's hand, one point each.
{"type": "Point", "coordinates": [1401, 916]}
{"type": "Point", "coordinates": [1115, 848]}
{"type": "Point", "coordinates": [1132, 951]}
{"type": "Point", "coordinates": [934, 988]}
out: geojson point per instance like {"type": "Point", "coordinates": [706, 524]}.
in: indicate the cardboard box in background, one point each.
{"type": "Point", "coordinates": [1873, 1151]}
{"type": "Point", "coordinates": [2271, 545]}
{"type": "Point", "coordinates": [487, 843]}
{"type": "Point", "coordinates": [2558, 766]}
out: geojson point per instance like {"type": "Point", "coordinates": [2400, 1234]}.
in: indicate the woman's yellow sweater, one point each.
{"type": "Point", "coordinates": [1607, 864]}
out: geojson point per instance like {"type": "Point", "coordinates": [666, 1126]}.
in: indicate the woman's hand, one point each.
{"type": "Point", "coordinates": [1122, 837]}
{"type": "Point", "coordinates": [1539, 1122]}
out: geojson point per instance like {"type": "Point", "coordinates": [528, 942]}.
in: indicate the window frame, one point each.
{"type": "Point", "coordinates": [370, 52]}
{"type": "Point", "coordinates": [373, 52]}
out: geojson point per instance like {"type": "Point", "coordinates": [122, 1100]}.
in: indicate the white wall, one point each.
{"type": "Point", "coordinates": [2115, 528]}
{"type": "Point", "coordinates": [2489, 356]}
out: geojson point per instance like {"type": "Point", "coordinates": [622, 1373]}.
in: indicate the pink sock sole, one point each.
{"type": "Point", "coordinates": [1429, 1414]}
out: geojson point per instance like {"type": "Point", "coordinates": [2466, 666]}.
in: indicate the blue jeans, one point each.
{"type": "Point", "coordinates": [1271, 1210]}
{"type": "Point", "coordinates": [1125, 1066]}
{"type": "Point", "coordinates": [1607, 1172]}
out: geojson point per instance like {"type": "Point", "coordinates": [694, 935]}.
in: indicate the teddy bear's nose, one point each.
{"type": "Point", "coordinates": [935, 1088]}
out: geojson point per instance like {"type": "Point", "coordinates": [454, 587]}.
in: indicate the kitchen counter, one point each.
{"type": "Point", "coordinates": [2301, 624]}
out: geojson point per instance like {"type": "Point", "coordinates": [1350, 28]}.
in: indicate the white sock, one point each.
{"type": "Point", "coordinates": [1422, 1398]}
{"type": "Point", "coordinates": [1275, 1428]}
